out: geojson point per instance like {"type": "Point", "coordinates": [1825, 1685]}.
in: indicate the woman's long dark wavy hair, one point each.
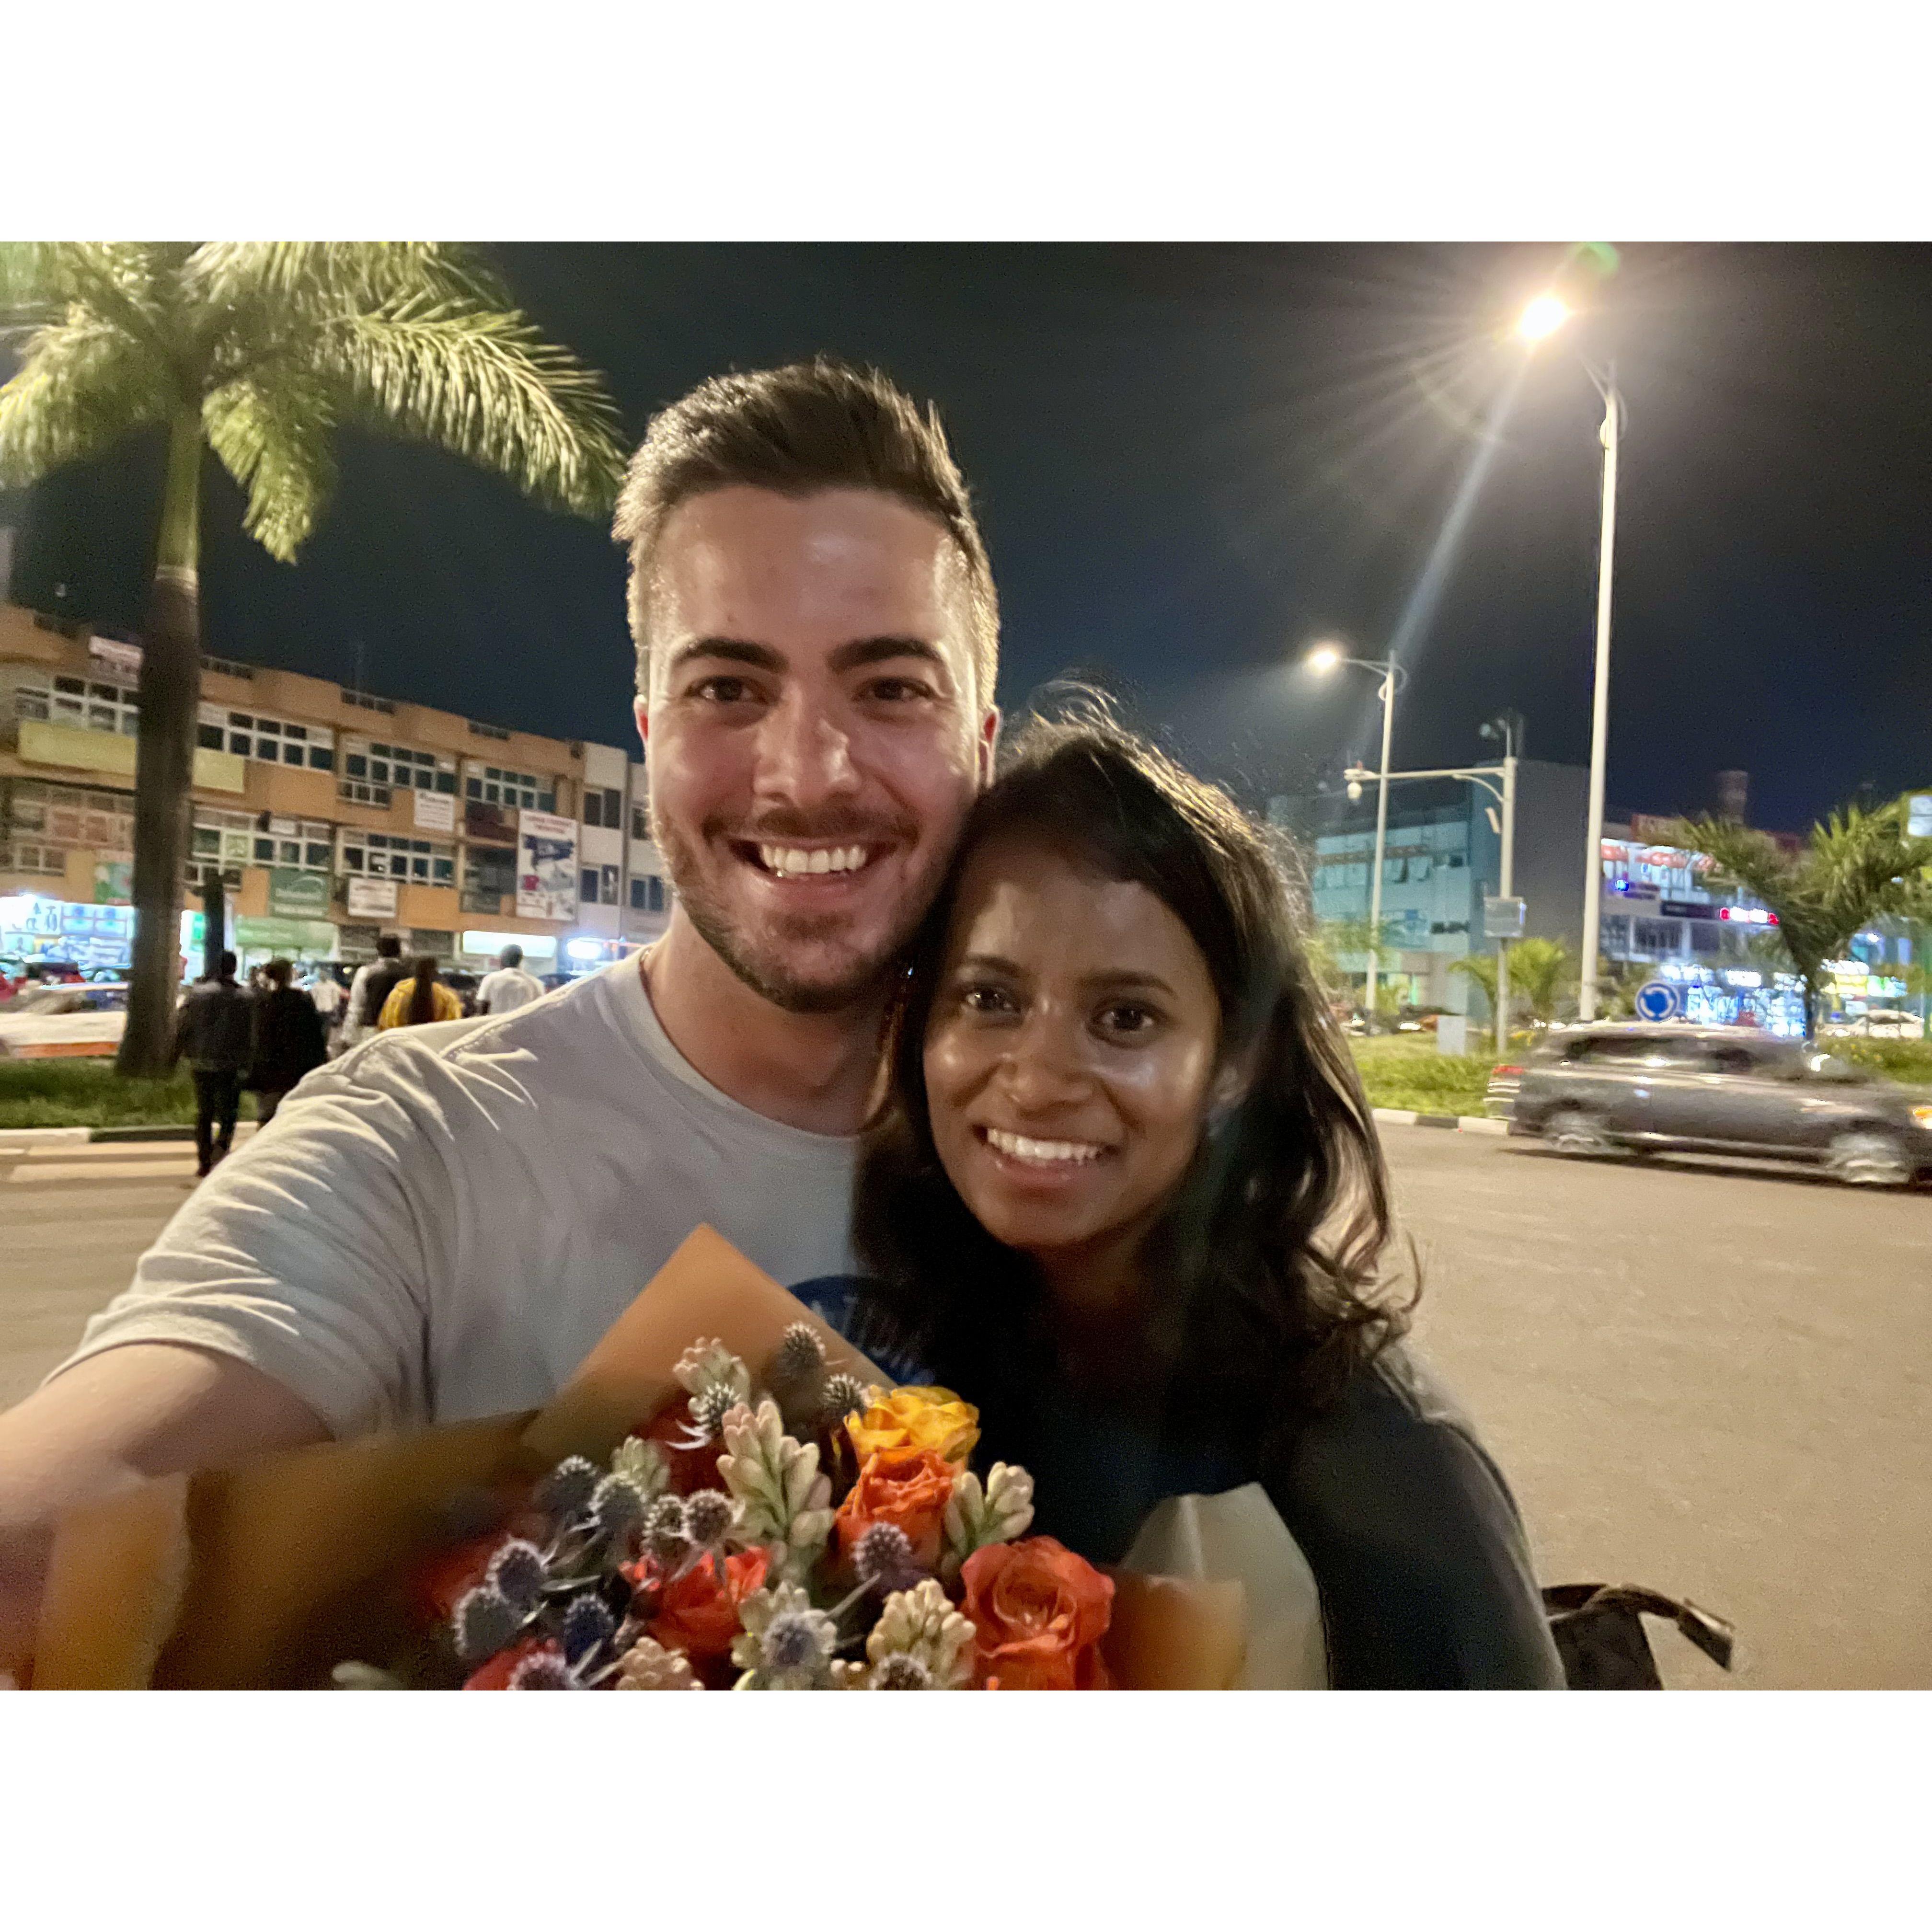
{"type": "Point", "coordinates": [1267, 1263]}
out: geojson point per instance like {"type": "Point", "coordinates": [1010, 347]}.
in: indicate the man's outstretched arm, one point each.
{"type": "Point", "coordinates": [148, 1408]}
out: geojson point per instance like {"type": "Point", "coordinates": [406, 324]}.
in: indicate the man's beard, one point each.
{"type": "Point", "coordinates": [763, 968]}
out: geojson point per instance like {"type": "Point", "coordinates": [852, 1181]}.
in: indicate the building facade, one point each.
{"type": "Point", "coordinates": [333, 816]}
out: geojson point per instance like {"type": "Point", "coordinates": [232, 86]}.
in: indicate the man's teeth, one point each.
{"type": "Point", "coordinates": [1020, 1148]}
{"type": "Point", "coordinates": [789, 859]}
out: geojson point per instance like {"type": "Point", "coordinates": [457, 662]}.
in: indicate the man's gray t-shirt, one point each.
{"type": "Point", "coordinates": [443, 1223]}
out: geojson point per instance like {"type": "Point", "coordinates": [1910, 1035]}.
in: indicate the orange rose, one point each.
{"type": "Point", "coordinates": [908, 1487]}
{"type": "Point", "coordinates": [1038, 1612]}
{"type": "Point", "coordinates": [698, 1613]}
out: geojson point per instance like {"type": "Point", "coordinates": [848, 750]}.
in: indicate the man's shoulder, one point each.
{"type": "Point", "coordinates": [549, 1032]}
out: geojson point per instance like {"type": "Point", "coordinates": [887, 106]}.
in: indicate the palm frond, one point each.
{"type": "Point", "coordinates": [484, 384]}
{"type": "Point", "coordinates": [272, 437]}
{"type": "Point", "coordinates": [113, 280]}
{"type": "Point", "coordinates": [84, 385]}
{"type": "Point", "coordinates": [313, 280]}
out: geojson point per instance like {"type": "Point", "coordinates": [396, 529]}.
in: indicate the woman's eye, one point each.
{"type": "Point", "coordinates": [1123, 1017]}
{"type": "Point", "coordinates": [985, 999]}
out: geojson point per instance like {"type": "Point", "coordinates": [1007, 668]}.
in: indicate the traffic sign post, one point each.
{"type": "Point", "coordinates": [1657, 1001]}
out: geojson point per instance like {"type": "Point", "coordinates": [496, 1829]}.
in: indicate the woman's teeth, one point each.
{"type": "Point", "coordinates": [788, 860]}
{"type": "Point", "coordinates": [1018, 1147]}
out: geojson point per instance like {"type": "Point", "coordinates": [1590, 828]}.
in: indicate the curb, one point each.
{"type": "Point", "coordinates": [10, 1137]}
{"type": "Point", "coordinates": [1468, 1123]}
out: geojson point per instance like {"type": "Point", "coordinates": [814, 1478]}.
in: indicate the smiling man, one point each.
{"type": "Point", "coordinates": [442, 1224]}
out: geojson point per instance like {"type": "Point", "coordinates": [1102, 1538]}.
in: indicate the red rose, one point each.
{"type": "Point", "coordinates": [1038, 1612]}
{"type": "Point", "coordinates": [698, 1613]}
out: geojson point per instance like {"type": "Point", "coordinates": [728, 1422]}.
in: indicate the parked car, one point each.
{"type": "Point", "coordinates": [63, 1021]}
{"type": "Point", "coordinates": [1632, 1089]}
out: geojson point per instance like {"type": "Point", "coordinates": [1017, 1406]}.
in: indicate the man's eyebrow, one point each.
{"type": "Point", "coordinates": [863, 651]}
{"type": "Point", "coordinates": [731, 650]}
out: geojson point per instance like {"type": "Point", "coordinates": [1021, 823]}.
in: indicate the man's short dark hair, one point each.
{"type": "Point", "coordinates": [810, 426]}
{"type": "Point", "coordinates": [511, 956]}
{"type": "Point", "coordinates": [389, 945]}
{"type": "Point", "coordinates": [228, 966]}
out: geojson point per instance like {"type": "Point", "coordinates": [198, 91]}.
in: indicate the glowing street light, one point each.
{"type": "Point", "coordinates": [1328, 657]}
{"type": "Point", "coordinates": [1544, 316]}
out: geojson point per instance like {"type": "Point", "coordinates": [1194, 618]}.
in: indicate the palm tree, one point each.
{"type": "Point", "coordinates": [1541, 970]}
{"type": "Point", "coordinates": [258, 351]}
{"type": "Point", "coordinates": [1858, 865]}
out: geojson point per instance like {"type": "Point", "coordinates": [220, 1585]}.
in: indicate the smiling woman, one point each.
{"type": "Point", "coordinates": [1127, 1190]}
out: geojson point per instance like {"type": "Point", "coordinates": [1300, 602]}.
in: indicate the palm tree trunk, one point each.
{"type": "Point", "coordinates": [164, 758]}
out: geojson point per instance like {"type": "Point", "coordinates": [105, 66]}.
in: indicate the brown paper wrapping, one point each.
{"type": "Point", "coordinates": [265, 1575]}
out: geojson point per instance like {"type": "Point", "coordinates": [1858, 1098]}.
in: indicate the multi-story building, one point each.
{"type": "Point", "coordinates": [1442, 856]}
{"type": "Point", "coordinates": [334, 815]}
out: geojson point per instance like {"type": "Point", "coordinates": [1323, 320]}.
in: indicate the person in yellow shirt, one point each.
{"type": "Point", "coordinates": [418, 1001]}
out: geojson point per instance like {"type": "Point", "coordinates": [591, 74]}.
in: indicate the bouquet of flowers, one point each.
{"type": "Point", "coordinates": [804, 1532]}
{"type": "Point", "coordinates": [669, 1520]}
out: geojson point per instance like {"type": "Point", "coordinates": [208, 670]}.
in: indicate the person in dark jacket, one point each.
{"type": "Point", "coordinates": [1126, 1195]}
{"type": "Point", "coordinates": [290, 1040]}
{"type": "Point", "coordinates": [214, 1033]}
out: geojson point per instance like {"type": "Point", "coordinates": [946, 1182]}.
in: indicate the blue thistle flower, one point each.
{"type": "Point", "coordinates": [844, 1395]}
{"type": "Point", "coordinates": [618, 1505]}
{"type": "Point", "coordinates": [801, 1356]}
{"type": "Point", "coordinates": [587, 1624]}
{"type": "Point", "coordinates": [707, 1517]}
{"type": "Point", "coordinates": [883, 1556]}
{"type": "Point", "coordinates": [793, 1643]}
{"type": "Point", "coordinates": [542, 1670]}
{"type": "Point", "coordinates": [519, 1572]}
{"type": "Point", "coordinates": [666, 1529]}
{"type": "Point", "coordinates": [486, 1622]}
{"type": "Point", "coordinates": [568, 1487]}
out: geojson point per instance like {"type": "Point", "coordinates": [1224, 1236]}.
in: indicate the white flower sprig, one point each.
{"type": "Point", "coordinates": [644, 1463]}
{"type": "Point", "coordinates": [922, 1625]}
{"type": "Point", "coordinates": [975, 1517]}
{"type": "Point", "coordinates": [785, 1644]}
{"type": "Point", "coordinates": [706, 1364]}
{"type": "Point", "coordinates": [776, 1481]}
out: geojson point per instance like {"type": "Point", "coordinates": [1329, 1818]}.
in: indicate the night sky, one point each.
{"type": "Point", "coordinates": [1191, 461]}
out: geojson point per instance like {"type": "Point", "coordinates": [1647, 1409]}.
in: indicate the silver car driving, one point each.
{"type": "Point", "coordinates": [1633, 1089]}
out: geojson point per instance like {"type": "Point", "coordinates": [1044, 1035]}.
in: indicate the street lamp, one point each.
{"type": "Point", "coordinates": [1331, 657]}
{"type": "Point", "coordinates": [1544, 317]}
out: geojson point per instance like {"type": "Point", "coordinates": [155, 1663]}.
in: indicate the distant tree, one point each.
{"type": "Point", "coordinates": [1858, 866]}
{"type": "Point", "coordinates": [258, 350]}
{"type": "Point", "coordinates": [1480, 969]}
{"type": "Point", "coordinates": [1542, 971]}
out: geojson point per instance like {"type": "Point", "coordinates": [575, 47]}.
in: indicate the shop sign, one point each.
{"type": "Point", "coordinates": [1502, 919]}
{"type": "Point", "coordinates": [110, 654]}
{"type": "Point", "coordinates": [546, 866]}
{"type": "Point", "coordinates": [435, 811]}
{"type": "Point", "coordinates": [1919, 816]}
{"type": "Point", "coordinates": [487, 945]}
{"type": "Point", "coordinates": [290, 936]}
{"type": "Point", "coordinates": [371, 899]}
{"type": "Point", "coordinates": [293, 894]}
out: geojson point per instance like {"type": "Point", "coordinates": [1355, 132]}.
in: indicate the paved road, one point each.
{"type": "Point", "coordinates": [1712, 1380]}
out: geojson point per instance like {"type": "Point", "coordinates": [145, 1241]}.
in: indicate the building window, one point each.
{"type": "Point", "coordinates": [381, 855]}
{"type": "Point", "coordinates": [85, 704]}
{"type": "Point", "coordinates": [603, 807]}
{"type": "Point", "coordinates": [372, 773]}
{"type": "Point", "coordinates": [647, 893]}
{"type": "Point", "coordinates": [637, 886]}
{"type": "Point", "coordinates": [309, 847]}
{"type": "Point", "coordinates": [640, 824]}
{"type": "Point", "coordinates": [489, 877]}
{"type": "Point", "coordinates": [657, 894]}
{"type": "Point", "coordinates": [269, 741]}
{"type": "Point", "coordinates": [486, 784]}
{"type": "Point", "coordinates": [488, 731]}
{"type": "Point", "coordinates": [610, 889]}
{"type": "Point", "coordinates": [587, 891]}
{"type": "Point", "coordinates": [363, 701]}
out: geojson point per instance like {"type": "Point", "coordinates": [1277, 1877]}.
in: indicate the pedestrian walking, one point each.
{"type": "Point", "coordinates": [214, 1033]}
{"type": "Point", "coordinates": [419, 1000]}
{"type": "Point", "coordinates": [509, 987]}
{"type": "Point", "coordinates": [289, 1039]}
{"type": "Point", "coordinates": [327, 993]}
{"type": "Point", "coordinates": [371, 986]}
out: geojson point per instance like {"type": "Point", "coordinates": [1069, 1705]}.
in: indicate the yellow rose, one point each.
{"type": "Point", "coordinates": [927, 1419]}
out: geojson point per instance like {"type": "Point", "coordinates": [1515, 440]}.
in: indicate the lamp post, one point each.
{"type": "Point", "coordinates": [1331, 657]}
{"type": "Point", "coordinates": [1544, 317]}
{"type": "Point", "coordinates": [1508, 727]}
